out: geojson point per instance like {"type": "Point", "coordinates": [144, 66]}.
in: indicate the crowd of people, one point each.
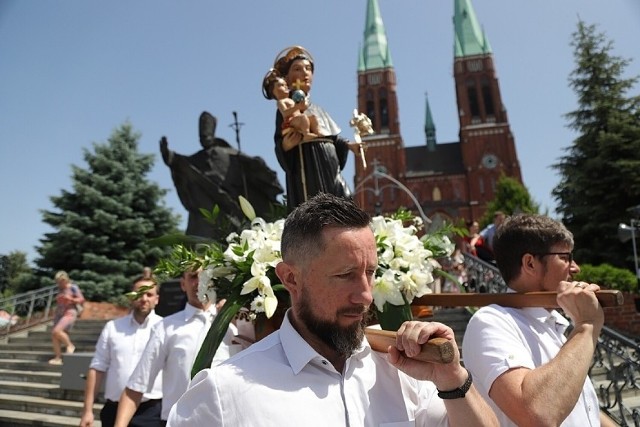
{"type": "Point", "coordinates": [519, 368]}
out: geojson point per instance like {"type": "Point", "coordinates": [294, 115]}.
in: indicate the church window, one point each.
{"type": "Point", "coordinates": [371, 107]}
{"type": "Point", "coordinates": [384, 108]}
{"type": "Point", "coordinates": [436, 195]}
{"type": "Point", "coordinates": [472, 94]}
{"type": "Point", "coordinates": [487, 97]}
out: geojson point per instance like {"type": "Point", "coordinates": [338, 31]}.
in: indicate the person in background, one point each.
{"type": "Point", "coordinates": [318, 368]}
{"type": "Point", "coordinates": [529, 371]}
{"type": "Point", "coordinates": [171, 351]}
{"type": "Point", "coordinates": [147, 273]}
{"type": "Point", "coordinates": [118, 351]}
{"type": "Point", "coordinates": [67, 301]}
{"type": "Point", "coordinates": [473, 239]}
{"type": "Point", "coordinates": [485, 251]}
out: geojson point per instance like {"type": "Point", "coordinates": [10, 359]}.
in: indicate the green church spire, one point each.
{"type": "Point", "coordinates": [469, 36]}
{"type": "Point", "coordinates": [429, 126]}
{"type": "Point", "coordinates": [375, 53]}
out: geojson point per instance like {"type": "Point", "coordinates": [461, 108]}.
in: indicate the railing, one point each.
{"type": "Point", "coordinates": [620, 357]}
{"type": "Point", "coordinates": [616, 354]}
{"type": "Point", "coordinates": [26, 310]}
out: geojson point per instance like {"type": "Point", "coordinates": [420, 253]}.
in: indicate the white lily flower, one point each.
{"type": "Point", "coordinates": [385, 289]}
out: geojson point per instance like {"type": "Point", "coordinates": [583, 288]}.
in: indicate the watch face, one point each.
{"type": "Point", "coordinates": [489, 161]}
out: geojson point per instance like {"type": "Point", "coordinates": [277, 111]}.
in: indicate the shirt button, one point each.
{"type": "Point", "coordinates": [324, 362]}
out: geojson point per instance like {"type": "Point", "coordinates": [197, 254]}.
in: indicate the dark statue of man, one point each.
{"type": "Point", "coordinates": [218, 174]}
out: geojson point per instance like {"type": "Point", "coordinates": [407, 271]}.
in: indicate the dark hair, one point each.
{"type": "Point", "coordinates": [302, 234]}
{"type": "Point", "coordinates": [151, 279]}
{"type": "Point", "coordinates": [526, 234]}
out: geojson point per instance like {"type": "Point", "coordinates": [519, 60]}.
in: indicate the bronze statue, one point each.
{"type": "Point", "coordinates": [217, 175]}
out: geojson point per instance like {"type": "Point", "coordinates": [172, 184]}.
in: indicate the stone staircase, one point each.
{"type": "Point", "coordinates": [30, 388]}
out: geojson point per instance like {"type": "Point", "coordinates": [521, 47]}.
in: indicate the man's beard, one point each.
{"type": "Point", "coordinates": [344, 340]}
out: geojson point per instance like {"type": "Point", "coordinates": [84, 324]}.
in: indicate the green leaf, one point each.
{"type": "Point", "coordinates": [218, 330]}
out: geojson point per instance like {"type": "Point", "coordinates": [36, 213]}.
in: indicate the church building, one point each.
{"type": "Point", "coordinates": [446, 181]}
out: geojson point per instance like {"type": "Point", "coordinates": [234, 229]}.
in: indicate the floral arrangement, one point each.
{"type": "Point", "coordinates": [243, 270]}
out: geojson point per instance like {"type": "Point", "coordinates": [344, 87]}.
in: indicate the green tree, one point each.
{"type": "Point", "coordinates": [13, 267]}
{"type": "Point", "coordinates": [600, 173]}
{"type": "Point", "coordinates": [103, 227]}
{"type": "Point", "coordinates": [510, 197]}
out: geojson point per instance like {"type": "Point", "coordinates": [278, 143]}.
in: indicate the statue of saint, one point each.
{"type": "Point", "coordinates": [217, 175]}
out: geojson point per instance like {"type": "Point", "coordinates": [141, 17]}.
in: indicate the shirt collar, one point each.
{"type": "Point", "coordinates": [298, 351]}
{"type": "Point", "coordinates": [144, 324]}
{"type": "Point", "coordinates": [191, 311]}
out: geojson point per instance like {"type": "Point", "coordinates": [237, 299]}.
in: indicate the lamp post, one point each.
{"type": "Point", "coordinates": [626, 233]}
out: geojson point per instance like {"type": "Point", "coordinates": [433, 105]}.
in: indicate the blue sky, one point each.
{"type": "Point", "coordinates": [72, 71]}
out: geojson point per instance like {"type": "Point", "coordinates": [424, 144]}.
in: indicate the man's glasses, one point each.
{"type": "Point", "coordinates": [565, 256]}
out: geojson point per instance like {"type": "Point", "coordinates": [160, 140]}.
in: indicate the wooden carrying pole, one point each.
{"type": "Point", "coordinates": [607, 298]}
{"type": "Point", "coordinates": [439, 350]}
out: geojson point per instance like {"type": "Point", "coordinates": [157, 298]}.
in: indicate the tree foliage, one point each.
{"type": "Point", "coordinates": [600, 173]}
{"type": "Point", "coordinates": [104, 224]}
{"type": "Point", "coordinates": [510, 197]}
{"type": "Point", "coordinates": [13, 267]}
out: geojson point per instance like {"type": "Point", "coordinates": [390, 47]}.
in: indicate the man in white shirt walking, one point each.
{"type": "Point", "coordinates": [172, 349]}
{"type": "Point", "coordinates": [530, 372]}
{"type": "Point", "coordinates": [118, 351]}
{"type": "Point", "coordinates": [318, 369]}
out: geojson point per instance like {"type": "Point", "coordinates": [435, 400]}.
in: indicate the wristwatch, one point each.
{"type": "Point", "coordinates": [457, 393]}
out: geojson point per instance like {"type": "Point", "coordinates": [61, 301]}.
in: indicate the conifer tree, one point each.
{"type": "Point", "coordinates": [102, 226]}
{"type": "Point", "coordinates": [600, 173]}
{"type": "Point", "coordinates": [511, 197]}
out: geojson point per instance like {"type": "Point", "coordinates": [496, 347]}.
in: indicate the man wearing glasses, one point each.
{"type": "Point", "coordinates": [525, 366]}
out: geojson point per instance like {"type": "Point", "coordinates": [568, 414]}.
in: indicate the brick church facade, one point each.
{"type": "Point", "coordinates": [449, 181]}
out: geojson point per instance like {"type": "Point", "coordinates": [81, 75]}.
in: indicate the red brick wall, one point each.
{"type": "Point", "coordinates": [626, 318]}
{"type": "Point", "coordinates": [102, 310]}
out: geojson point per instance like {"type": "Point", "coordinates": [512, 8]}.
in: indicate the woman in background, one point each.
{"type": "Point", "coordinates": [68, 300]}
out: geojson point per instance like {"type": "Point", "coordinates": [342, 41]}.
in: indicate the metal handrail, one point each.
{"type": "Point", "coordinates": [616, 354]}
{"type": "Point", "coordinates": [26, 310]}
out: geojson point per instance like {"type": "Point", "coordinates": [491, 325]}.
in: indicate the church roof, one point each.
{"type": "Point", "coordinates": [470, 38]}
{"type": "Point", "coordinates": [375, 53]}
{"type": "Point", "coordinates": [445, 159]}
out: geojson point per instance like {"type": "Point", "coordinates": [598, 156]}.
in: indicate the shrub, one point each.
{"type": "Point", "coordinates": [609, 277]}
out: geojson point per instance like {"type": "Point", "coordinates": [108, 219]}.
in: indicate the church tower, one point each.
{"type": "Point", "coordinates": [377, 99]}
{"type": "Point", "coordinates": [486, 141]}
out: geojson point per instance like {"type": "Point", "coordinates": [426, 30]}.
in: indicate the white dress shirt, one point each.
{"type": "Point", "coordinates": [172, 349]}
{"type": "Point", "coordinates": [282, 381]}
{"type": "Point", "coordinates": [498, 339]}
{"type": "Point", "coordinates": [118, 351]}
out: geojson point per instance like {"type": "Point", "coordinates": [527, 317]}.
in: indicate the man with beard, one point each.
{"type": "Point", "coordinates": [318, 369]}
{"type": "Point", "coordinates": [118, 351]}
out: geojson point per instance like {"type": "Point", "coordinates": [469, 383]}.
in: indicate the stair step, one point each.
{"type": "Point", "coordinates": [16, 418]}
{"type": "Point", "coordinates": [51, 391]}
{"type": "Point", "coordinates": [24, 375]}
{"type": "Point", "coordinates": [43, 405]}
{"type": "Point", "coordinates": [29, 365]}
{"type": "Point", "coordinates": [75, 335]}
{"type": "Point", "coordinates": [43, 346]}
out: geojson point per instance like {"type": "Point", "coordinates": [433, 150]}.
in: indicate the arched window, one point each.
{"type": "Point", "coordinates": [384, 108]}
{"type": "Point", "coordinates": [371, 107]}
{"type": "Point", "coordinates": [487, 97]}
{"type": "Point", "coordinates": [436, 194]}
{"type": "Point", "coordinates": [472, 94]}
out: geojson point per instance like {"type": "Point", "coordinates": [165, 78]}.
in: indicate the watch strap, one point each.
{"type": "Point", "coordinates": [457, 393]}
